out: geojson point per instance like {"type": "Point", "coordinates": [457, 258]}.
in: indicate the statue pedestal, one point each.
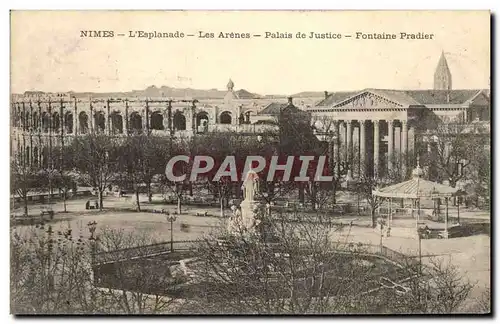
{"type": "Point", "coordinates": [248, 208]}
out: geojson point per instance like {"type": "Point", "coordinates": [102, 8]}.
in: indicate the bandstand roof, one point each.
{"type": "Point", "coordinates": [417, 188]}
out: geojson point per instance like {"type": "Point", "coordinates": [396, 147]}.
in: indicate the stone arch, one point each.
{"type": "Point", "coordinates": [35, 155]}
{"type": "Point", "coordinates": [45, 122]}
{"type": "Point", "coordinates": [136, 122]}
{"type": "Point", "coordinates": [45, 157]}
{"type": "Point", "coordinates": [225, 117]}
{"type": "Point", "coordinates": [23, 121]}
{"type": "Point", "coordinates": [202, 119]}
{"type": "Point", "coordinates": [28, 157]}
{"type": "Point", "coordinates": [179, 121]}
{"type": "Point", "coordinates": [83, 122]}
{"type": "Point", "coordinates": [116, 123]}
{"type": "Point", "coordinates": [68, 122]}
{"type": "Point", "coordinates": [28, 120]}
{"type": "Point", "coordinates": [157, 121]}
{"type": "Point", "coordinates": [35, 120]}
{"type": "Point", "coordinates": [56, 122]}
{"type": "Point", "coordinates": [100, 121]}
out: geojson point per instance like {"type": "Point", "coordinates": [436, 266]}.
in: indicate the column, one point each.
{"type": "Point", "coordinates": [376, 147]}
{"type": "Point", "coordinates": [75, 118]}
{"type": "Point", "coordinates": [108, 122]}
{"type": "Point", "coordinates": [348, 141]}
{"type": "Point", "coordinates": [126, 130]}
{"type": "Point", "coordinates": [362, 147]}
{"type": "Point", "coordinates": [390, 151]}
{"type": "Point", "coordinates": [404, 145]}
{"type": "Point", "coordinates": [446, 219]}
{"type": "Point", "coordinates": [336, 146]}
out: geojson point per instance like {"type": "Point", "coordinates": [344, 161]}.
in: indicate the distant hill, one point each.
{"type": "Point", "coordinates": [309, 94]}
{"type": "Point", "coordinates": [164, 91]}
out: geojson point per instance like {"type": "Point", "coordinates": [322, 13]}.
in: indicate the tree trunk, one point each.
{"type": "Point", "coordinates": [64, 200]}
{"type": "Point", "coordinates": [374, 219]}
{"type": "Point", "coordinates": [334, 194]}
{"type": "Point", "coordinates": [301, 193]}
{"type": "Point", "coordinates": [100, 199]}
{"type": "Point", "coordinates": [150, 195]}
{"type": "Point", "coordinates": [221, 199]}
{"type": "Point", "coordinates": [178, 205]}
{"type": "Point", "coordinates": [138, 203]}
{"type": "Point", "coordinates": [191, 189]}
{"type": "Point", "coordinates": [25, 205]}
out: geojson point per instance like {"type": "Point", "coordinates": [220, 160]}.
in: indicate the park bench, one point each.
{"type": "Point", "coordinates": [47, 210]}
{"type": "Point", "coordinates": [92, 204]}
{"type": "Point", "coordinates": [202, 213]}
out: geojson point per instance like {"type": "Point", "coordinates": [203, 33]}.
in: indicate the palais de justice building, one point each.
{"type": "Point", "coordinates": [374, 124]}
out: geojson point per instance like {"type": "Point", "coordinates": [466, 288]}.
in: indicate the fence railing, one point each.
{"type": "Point", "coordinates": [142, 251]}
{"type": "Point", "coordinates": [178, 246]}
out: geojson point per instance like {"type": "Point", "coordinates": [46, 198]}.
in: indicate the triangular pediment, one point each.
{"type": "Point", "coordinates": [369, 99]}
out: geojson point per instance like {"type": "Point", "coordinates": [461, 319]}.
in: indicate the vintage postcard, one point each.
{"type": "Point", "coordinates": [250, 162]}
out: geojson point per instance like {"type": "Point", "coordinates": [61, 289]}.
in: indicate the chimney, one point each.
{"type": "Point", "coordinates": [290, 101]}
{"type": "Point", "coordinates": [326, 94]}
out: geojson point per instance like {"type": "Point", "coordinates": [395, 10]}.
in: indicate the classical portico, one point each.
{"type": "Point", "coordinates": [374, 132]}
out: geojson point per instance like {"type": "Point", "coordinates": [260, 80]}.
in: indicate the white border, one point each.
{"type": "Point", "coordinates": [190, 5]}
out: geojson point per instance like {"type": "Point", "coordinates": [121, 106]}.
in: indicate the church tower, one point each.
{"type": "Point", "coordinates": [442, 75]}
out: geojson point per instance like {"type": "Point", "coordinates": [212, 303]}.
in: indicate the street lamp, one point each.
{"type": "Point", "coordinates": [92, 227]}
{"type": "Point", "coordinates": [171, 219]}
{"type": "Point", "coordinates": [381, 223]}
{"type": "Point", "coordinates": [422, 232]}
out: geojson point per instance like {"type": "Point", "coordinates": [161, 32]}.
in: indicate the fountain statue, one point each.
{"type": "Point", "coordinates": [244, 220]}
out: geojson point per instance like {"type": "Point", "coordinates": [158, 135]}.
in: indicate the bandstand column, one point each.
{"type": "Point", "coordinates": [376, 147]}
{"type": "Point", "coordinates": [390, 150]}
{"type": "Point", "coordinates": [362, 147]}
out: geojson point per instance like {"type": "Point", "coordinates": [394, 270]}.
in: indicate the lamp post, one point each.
{"type": "Point", "coordinates": [381, 223]}
{"type": "Point", "coordinates": [171, 219]}
{"type": "Point", "coordinates": [92, 227]}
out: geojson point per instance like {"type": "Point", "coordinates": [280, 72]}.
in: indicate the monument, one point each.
{"type": "Point", "coordinates": [243, 219]}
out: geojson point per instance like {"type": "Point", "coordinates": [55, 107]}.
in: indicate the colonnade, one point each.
{"type": "Point", "coordinates": [372, 146]}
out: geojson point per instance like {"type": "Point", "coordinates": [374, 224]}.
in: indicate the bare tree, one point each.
{"type": "Point", "coordinates": [95, 157]}
{"type": "Point", "coordinates": [293, 267]}
{"type": "Point", "coordinates": [24, 179]}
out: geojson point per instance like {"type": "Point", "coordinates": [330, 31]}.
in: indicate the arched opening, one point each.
{"type": "Point", "coordinates": [28, 121]}
{"type": "Point", "coordinates": [100, 122]}
{"type": "Point", "coordinates": [45, 122]}
{"type": "Point", "coordinates": [23, 121]}
{"type": "Point", "coordinates": [68, 122]}
{"type": "Point", "coordinates": [179, 121]}
{"type": "Point", "coordinates": [157, 121]}
{"type": "Point", "coordinates": [225, 117]}
{"type": "Point", "coordinates": [35, 121]}
{"type": "Point", "coordinates": [55, 122]}
{"type": "Point", "coordinates": [35, 155]}
{"type": "Point", "coordinates": [83, 122]}
{"type": "Point", "coordinates": [202, 120]}
{"type": "Point", "coordinates": [28, 151]}
{"type": "Point", "coordinates": [116, 123]}
{"type": "Point", "coordinates": [136, 122]}
{"type": "Point", "coordinates": [45, 157]}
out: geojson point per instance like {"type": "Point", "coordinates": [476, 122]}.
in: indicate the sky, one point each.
{"type": "Point", "coordinates": [48, 54]}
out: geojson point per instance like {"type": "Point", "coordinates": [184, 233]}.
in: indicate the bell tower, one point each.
{"type": "Point", "coordinates": [442, 75]}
